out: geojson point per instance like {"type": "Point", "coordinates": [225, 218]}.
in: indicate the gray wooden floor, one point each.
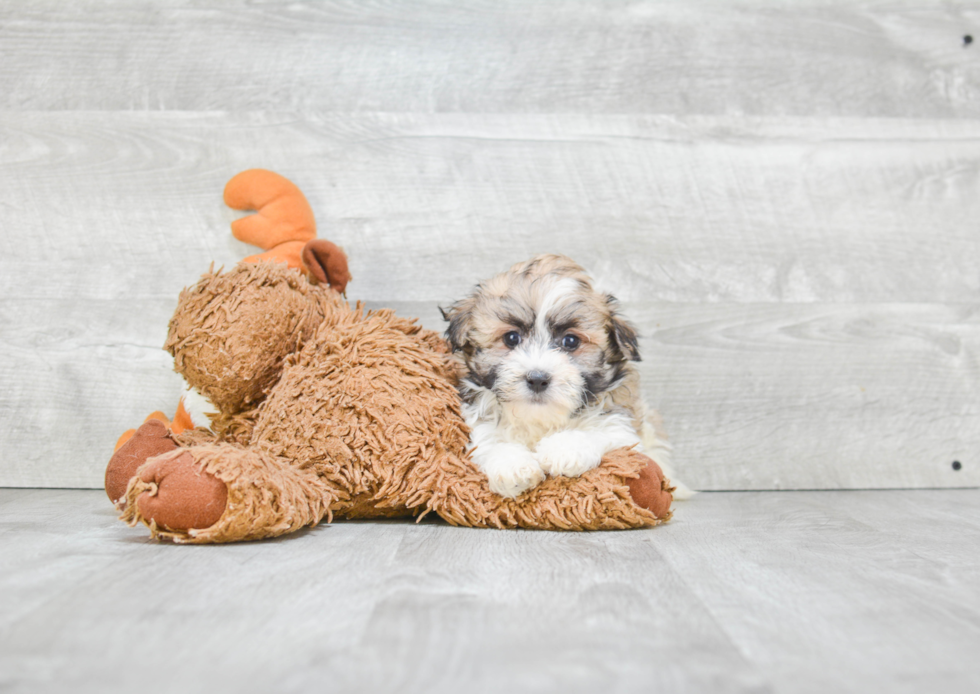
{"type": "Point", "coordinates": [846, 591]}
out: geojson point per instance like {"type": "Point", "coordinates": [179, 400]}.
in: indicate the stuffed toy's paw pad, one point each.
{"type": "Point", "coordinates": [182, 496]}
{"type": "Point", "coordinates": [151, 439]}
{"type": "Point", "coordinates": [651, 490]}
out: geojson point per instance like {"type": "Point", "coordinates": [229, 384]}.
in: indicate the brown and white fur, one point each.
{"type": "Point", "coordinates": [548, 376]}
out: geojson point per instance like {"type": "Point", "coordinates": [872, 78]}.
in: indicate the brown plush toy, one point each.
{"type": "Point", "coordinates": [323, 410]}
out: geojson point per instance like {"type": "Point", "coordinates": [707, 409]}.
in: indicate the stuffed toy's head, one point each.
{"type": "Point", "coordinates": [232, 331]}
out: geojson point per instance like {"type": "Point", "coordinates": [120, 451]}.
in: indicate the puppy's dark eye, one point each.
{"type": "Point", "coordinates": [512, 339]}
{"type": "Point", "coordinates": [570, 343]}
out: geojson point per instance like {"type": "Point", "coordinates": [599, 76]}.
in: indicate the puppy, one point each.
{"type": "Point", "coordinates": [548, 376]}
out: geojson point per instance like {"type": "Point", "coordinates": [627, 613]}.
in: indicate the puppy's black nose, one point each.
{"type": "Point", "coordinates": [538, 381]}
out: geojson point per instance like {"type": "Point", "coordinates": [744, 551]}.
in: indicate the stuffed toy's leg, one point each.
{"type": "Point", "coordinates": [134, 447]}
{"type": "Point", "coordinates": [219, 492]}
{"type": "Point", "coordinates": [628, 490]}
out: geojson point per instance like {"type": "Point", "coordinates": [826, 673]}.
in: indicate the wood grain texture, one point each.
{"type": "Point", "coordinates": [904, 59]}
{"type": "Point", "coordinates": [113, 214]}
{"type": "Point", "coordinates": [741, 592]}
{"type": "Point", "coordinates": [76, 375]}
{"type": "Point", "coordinates": [754, 396]}
{"type": "Point", "coordinates": [783, 195]}
{"type": "Point", "coordinates": [660, 208]}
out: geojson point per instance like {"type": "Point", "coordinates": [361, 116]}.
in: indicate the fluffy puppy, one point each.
{"type": "Point", "coordinates": [548, 377]}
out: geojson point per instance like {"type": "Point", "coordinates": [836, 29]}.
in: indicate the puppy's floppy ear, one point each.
{"type": "Point", "coordinates": [460, 317]}
{"type": "Point", "coordinates": [622, 334]}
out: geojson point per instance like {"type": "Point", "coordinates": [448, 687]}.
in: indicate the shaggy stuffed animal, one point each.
{"type": "Point", "coordinates": [323, 410]}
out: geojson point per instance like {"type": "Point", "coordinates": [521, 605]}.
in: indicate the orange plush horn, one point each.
{"type": "Point", "coordinates": [283, 221]}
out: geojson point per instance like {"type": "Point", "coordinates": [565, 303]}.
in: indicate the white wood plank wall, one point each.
{"type": "Point", "coordinates": [783, 195]}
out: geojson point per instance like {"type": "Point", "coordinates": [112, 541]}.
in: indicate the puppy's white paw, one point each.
{"type": "Point", "coordinates": [512, 470]}
{"type": "Point", "coordinates": [568, 453]}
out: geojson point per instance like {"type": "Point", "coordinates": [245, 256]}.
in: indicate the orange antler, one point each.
{"type": "Point", "coordinates": [283, 221]}
{"type": "Point", "coordinates": [283, 226]}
